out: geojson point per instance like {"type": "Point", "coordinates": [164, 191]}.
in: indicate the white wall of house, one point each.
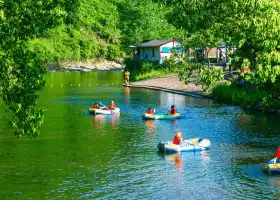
{"type": "Point", "coordinates": [163, 55]}
{"type": "Point", "coordinates": [146, 53]}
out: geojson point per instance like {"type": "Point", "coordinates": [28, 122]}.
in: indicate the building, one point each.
{"type": "Point", "coordinates": [156, 50]}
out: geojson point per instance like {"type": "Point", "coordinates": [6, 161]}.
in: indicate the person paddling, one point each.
{"type": "Point", "coordinates": [112, 105]}
{"type": "Point", "coordinates": [173, 110]}
{"type": "Point", "coordinates": [95, 106]}
{"type": "Point", "coordinates": [278, 155]}
{"type": "Point", "coordinates": [150, 111]}
{"type": "Point", "coordinates": [178, 138]}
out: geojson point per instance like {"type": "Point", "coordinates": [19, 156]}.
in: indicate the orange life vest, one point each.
{"type": "Point", "coordinates": [173, 111]}
{"type": "Point", "coordinates": [278, 153]}
{"type": "Point", "coordinates": [112, 107]}
{"type": "Point", "coordinates": [177, 139]}
{"type": "Point", "coordinates": [150, 112]}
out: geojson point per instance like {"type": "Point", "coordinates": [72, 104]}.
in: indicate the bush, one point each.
{"type": "Point", "coordinates": [237, 96]}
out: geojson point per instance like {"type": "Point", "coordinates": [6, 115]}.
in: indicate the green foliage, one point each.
{"type": "Point", "coordinates": [252, 27]}
{"type": "Point", "coordinates": [144, 20]}
{"type": "Point", "coordinates": [144, 70]}
{"type": "Point", "coordinates": [152, 73]}
{"type": "Point", "coordinates": [236, 95]}
{"type": "Point", "coordinates": [21, 71]}
{"type": "Point", "coordinates": [209, 76]}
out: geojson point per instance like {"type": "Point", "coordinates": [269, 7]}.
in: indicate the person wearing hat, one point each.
{"type": "Point", "coordinates": [278, 155]}
{"type": "Point", "coordinates": [178, 138]}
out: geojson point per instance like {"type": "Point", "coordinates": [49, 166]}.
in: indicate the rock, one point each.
{"type": "Point", "coordinates": [85, 67]}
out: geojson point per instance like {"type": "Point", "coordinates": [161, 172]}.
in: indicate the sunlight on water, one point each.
{"type": "Point", "coordinates": [82, 156]}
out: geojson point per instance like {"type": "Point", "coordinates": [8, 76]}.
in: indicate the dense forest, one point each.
{"type": "Point", "coordinates": [104, 29]}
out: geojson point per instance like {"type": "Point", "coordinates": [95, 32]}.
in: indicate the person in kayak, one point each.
{"type": "Point", "coordinates": [112, 105]}
{"type": "Point", "coordinates": [178, 138]}
{"type": "Point", "coordinates": [278, 155]}
{"type": "Point", "coordinates": [150, 111]}
{"type": "Point", "coordinates": [95, 106]}
{"type": "Point", "coordinates": [173, 110]}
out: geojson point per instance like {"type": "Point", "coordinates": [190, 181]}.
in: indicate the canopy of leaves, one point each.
{"type": "Point", "coordinates": [34, 33]}
{"type": "Point", "coordinates": [21, 73]}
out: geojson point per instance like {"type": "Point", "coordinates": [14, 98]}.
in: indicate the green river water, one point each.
{"type": "Point", "coordinates": [80, 156]}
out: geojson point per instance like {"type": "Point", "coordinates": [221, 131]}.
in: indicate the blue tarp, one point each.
{"type": "Point", "coordinates": [170, 49]}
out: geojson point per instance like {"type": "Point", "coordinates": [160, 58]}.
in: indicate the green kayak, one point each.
{"type": "Point", "coordinates": [160, 116]}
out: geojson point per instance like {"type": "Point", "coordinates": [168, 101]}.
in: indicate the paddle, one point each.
{"type": "Point", "coordinates": [104, 105]}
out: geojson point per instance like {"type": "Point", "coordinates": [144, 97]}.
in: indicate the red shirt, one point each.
{"type": "Point", "coordinates": [176, 139]}
{"type": "Point", "coordinates": [173, 111]}
{"type": "Point", "coordinates": [95, 106]}
{"type": "Point", "coordinates": [150, 112]}
{"type": "Point", "coordinates": [112, 107]}
{"type": "Point", "coordinates": [278, 153]}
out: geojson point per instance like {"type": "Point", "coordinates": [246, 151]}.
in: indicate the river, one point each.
{"type": "Point", "coordinates": [79, 156]}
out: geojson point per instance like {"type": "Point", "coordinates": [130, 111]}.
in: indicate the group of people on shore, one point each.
{"type": "Point", "coordinates": [112, 106]}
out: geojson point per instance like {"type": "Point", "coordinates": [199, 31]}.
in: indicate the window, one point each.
{"type": "Point", "coordinates": [153, 50]}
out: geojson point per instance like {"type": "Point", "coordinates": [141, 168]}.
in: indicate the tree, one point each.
{"type": "Point", "coordinates": [251, 26]}
{"type": "Point", "coordinates": [21, 70]}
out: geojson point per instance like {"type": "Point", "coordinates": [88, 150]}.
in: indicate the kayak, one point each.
{"type": "Point", "coordinates": [196, 144]}
{"type": "Point", "coordinates": [160, 116]}
{"type": "Point", "coordinates": [272, 167]}
{"type": "Point", "coordinates": [104, 111]}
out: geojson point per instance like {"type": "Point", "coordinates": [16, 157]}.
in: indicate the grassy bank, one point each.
{"type": "Point", "coordinates": [145, 70]}
{"type": "Point", "coordinates": [255, 99]}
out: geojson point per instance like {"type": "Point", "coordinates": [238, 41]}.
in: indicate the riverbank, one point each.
{"type": "Point", "coordinates": [171, 83]}
{"type": "Point", "coordinates": [221, 93]}
{"type": "Point", "coordinates": [86, 66]}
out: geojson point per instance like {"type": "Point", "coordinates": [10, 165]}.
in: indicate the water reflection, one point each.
{"type": "Point", "coordinates": [127, 95]}
{"type": "Point", "coordinates": [150, 126]}
{"type": "Point", "coordinates": [178, 159]}
{"type": "Point", "coordinates": [102, 120]}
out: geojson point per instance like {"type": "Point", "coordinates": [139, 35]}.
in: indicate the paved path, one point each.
{"type": "Point", "coordinates": [171, 83]}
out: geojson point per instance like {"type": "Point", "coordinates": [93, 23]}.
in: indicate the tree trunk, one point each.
{"type": "Point", "coordinates": [208, 60]}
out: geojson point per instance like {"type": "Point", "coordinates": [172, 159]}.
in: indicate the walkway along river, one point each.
{"type": "Point", "coordinates": [79, 156]}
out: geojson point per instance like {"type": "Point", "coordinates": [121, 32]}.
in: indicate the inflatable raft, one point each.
{"type": "Point", "coordinates": [272, 167]}
{"type": "Point", "coordinates": [160, 116]}
{"type": "Point", "coordinates": [104, 111]}
{"type": "Point", "coordinates": [196, 144]}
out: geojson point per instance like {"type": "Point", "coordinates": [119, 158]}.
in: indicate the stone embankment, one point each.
{"type": "Point", "coordinates": [171, 83]}
{"type": "Point", "coordinates": [85, 67]}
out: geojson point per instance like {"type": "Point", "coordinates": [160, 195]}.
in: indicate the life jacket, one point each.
{"type": "Point", "coordinates": [278, 153]}
{"type": "Point", "coordinates": [173, 111]}
{"type": "Point", "coordinates": [112, 107]}
{"type": "Point", "coordinates": [95, 106]}
{"type": "Point", "coordinates": [150, 112]}
{"type": "Point", "coordinates": [177, 139]}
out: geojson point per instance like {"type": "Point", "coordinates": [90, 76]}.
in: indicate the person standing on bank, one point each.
{"type": "Point", "coordinates": [126, 77]}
